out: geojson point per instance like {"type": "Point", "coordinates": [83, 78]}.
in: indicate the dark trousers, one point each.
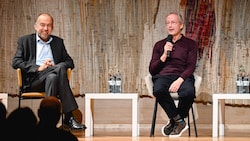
{"type": "Point", "coordinates": [186, 94]}
{"type": "Point", "coordinates": [54, 82]}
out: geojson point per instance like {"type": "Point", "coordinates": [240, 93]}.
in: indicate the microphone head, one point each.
{"type": "Point", "coordinates": [170, 38]}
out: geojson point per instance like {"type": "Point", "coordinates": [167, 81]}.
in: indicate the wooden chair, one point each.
{"type": "Point", "coordinates": [39, 95]}
{"type": "Point", "coordinates": [31, 95]}
{"type": "Point", "coordinates": [149, 84]}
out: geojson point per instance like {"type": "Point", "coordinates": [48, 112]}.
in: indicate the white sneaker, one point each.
{"type": "Point", "coordinates": [168, 128]}
{"type": "Point", "coordinates": [178, 130]}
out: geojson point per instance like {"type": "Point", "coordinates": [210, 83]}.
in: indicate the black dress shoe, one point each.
{"type": "Point", "coordinates": [73, 124]}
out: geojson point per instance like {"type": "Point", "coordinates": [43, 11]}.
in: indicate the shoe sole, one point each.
{"type": "Point", "coordinates": [65, 126]}
{"type": "Point", "coordinates": [162, 130]}
{"type": "Point", "coordinates": [178, 135]}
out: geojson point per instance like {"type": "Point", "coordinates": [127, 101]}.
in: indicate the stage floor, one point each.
{"type": "Point", "coordinates": [203, 135]}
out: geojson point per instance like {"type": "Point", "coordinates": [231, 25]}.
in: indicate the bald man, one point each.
{"type": "Point", "coordinates": [43, 59]}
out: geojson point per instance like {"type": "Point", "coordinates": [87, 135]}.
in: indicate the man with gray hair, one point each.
{"type": "Point", "coordinates": [172, 66]}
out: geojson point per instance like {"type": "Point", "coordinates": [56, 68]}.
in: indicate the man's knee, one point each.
{"type": "Point", "coordinates": [188, 93]}
{"type": "Point", "coordinates": [51, 77]}
{"type": "Point", "coordinates": [159, 92]}
{"type": "Point", "coordinates": [61, 66]}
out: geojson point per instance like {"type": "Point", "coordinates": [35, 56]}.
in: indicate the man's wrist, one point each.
{"type": "Point", "coordinates": [163, 57]}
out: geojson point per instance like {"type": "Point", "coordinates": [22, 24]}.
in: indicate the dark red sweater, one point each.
{"type": "Point", "coordinates": [182, 61]}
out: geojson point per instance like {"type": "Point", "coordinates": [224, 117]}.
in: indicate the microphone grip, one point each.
{"type": "Point", "coordinates": [168, 53]}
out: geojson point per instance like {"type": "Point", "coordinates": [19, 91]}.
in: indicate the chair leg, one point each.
{"type": "Point", "coordinates": [195, 129]}
{"type": "Point", "coordinates": [19, 104]}
{"type": "Point", "coordinates": [189, 133]}
{"type": "Point", "coordinates": [154, 119]}
{"type": "Point", "coordinates": [19, 99]}
{"type": "Point", "coordinates": [62, 122]}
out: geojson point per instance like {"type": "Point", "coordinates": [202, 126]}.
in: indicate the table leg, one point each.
{"type": "Point", "coordinates": [222, 117]}
{"type": "Point", "coordinates": [138, 118]}
{"type": "Point", "coordinates": [135, 129]}
{"type": "Point", "coordinates": [215, 117]}
{"type": "Point", "coordinates": [88, 117]}
{"type": "Point", "coordinates": [92, 116]}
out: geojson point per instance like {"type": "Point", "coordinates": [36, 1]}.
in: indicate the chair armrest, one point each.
{"type": "Point", "coordinates": [198, 81]}
{"type": "Point", "coordinates": [69, 73]}
{"type": "Point", "coordinates": [19, 77]}
{"type": "Point", "coordinates": [149, 84]}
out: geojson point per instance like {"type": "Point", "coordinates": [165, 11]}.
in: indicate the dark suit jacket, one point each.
{"type": "Point", "coordinates": [25, 56]}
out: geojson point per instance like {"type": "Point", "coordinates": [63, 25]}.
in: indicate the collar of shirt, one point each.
{"type": "Point", "coordinates": [39, 40]}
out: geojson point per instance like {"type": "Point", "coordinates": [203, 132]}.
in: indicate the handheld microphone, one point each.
{"type": "Point", "coordinates": [169, 39]}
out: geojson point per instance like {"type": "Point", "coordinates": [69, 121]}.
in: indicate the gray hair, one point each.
{"type": "Point", "coordinates": [181, 20]}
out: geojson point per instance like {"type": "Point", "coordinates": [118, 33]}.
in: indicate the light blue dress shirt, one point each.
{"type": "Point", "coordinates": [43, 51]}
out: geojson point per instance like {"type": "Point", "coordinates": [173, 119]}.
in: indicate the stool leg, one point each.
{"type": "Point", "coordinates": [195, 129]}
{"type": "Point", "coordinates": [154, 119]}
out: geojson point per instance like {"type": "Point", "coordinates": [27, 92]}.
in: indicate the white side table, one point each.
{"type": "Point", "coordinates": [89, 115]}
{"type": "Point", "coordinates": [219, 110]}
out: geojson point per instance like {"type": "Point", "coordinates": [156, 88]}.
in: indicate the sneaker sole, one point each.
{"type": "Point", "coordinates": [162, 130]}
{"type": "Point", "coordinates": [67, 127]}
{"type": "Point", "coordinates": [178, 135]}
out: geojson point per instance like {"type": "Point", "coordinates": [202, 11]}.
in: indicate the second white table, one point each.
{"type": "Point", "coordinates": [219, 111]}
{"type": "Point", "coordinates": [89, 115]}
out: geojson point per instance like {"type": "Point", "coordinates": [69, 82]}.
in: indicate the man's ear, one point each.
{"type": "Point", "coordinates": [182, 26]}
